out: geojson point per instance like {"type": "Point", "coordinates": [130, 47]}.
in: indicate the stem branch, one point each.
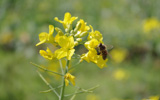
{"type": "Point", "coordinates": [47, 83]}
{"type": "Point", "coordinates": [45, 69]}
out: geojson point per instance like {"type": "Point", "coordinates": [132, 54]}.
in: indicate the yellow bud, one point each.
{"type": "Point", "coordinates": [75, 43]}
{"type": "Point", "coordinates": [68, 28]}
{"type": "Point", "coordinates": [79, 39]}
{"type": "Point", "coordinates": [78, 26]}
{"type": "Point", "coordinates": [83, 34]}
{"type": "Point", "coordinates": [71, 32]}
{"type": "Point", "coordinates": [58, 29]}
{"type": "Point", "coordinates": [76, 35]}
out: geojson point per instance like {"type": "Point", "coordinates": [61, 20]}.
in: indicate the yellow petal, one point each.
{"type": "Point", "coordinates": [92, 44]}
{"type": "Point", "coordinates": [51, 29]}
{"type": "Point", "coordinates": [70, 54]}
{"type": "Point", "coordinates": [42, 38]}
{"type": "Point", "coordinates": [47, 55]}
{"type": "Point", "coordinates": [66, 82]}
{"type": "Point", "coordinates": [63, 41]}
{"type": "Point", "coordinates": [58, 36]}
{"type": "Point", "coordinates": [72, 79]}
{"type": "Point", "coordinates": [41, 42]}
{"type": "Point", "coordinates": [70, 42]}
{"type": "Point", "coordinates": [60, 53]}
{"type": "Point", "coordinates": [100, 62]}
{"type": "Point", "coordinates": [67, 17]}
{"type": "Point", "coordinates": [56, 19]}
{"type": "Point", "coordinates": [72, 19]}
{"type": "Point", "coordinates": [66, 42]}
{"type": "Point", "coordinates": [85, 57]}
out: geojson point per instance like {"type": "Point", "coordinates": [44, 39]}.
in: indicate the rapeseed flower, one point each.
{"type": "Point", "coordinates": [92, 97]}
{"type": "Point", "coordinates": [91, 55]}
{"type": "Point", "coordinates": [150, 25]}
{"type": "Point", "coordinates": [47, 54]}
{"type": "Point", "coordinates": [82, 30]}
{"type": "Point", "coordinates": [46, 37]}
{"type": "Point", "coordinates": [119, 55]}
{"type": "Point", "coordinates": [67, 20]}
{"type": "Point", "coordinates": [120, 74]}
{"type": "Point", "coordinates": [68, 77]}
{"type": "Point", "coordinates": [152, 98]}
{"type": "Point", "coordinates": [67, 47]}
{"type": "Point", "coordinates": [95, 35]}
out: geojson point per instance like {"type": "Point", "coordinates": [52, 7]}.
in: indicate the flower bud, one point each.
{"type": "Point", "coordinates": [75, 43]}
{"type": "Point", "coordinates": [58, 29]}
{"type": "Point", "coordinates": [77, 34]}
{"type": "Point", "coordinates": [79, 39]}
{"type": "Point", "coordinates": [78, 26]}
{"type": "Point", "coordinates": [71, 32]}
{"type": "Point", "coordinates": [68, 28]}
{"type": "Point", "coordinates": [83, 34]}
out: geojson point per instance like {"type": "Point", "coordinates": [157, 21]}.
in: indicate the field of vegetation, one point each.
{"type": "Point", "coordinates": [132, 27]}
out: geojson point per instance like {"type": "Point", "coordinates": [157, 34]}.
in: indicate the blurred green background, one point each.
{"type": "Point", "coordinates": [131, 26]}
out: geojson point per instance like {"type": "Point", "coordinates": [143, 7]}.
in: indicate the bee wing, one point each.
{"type": "Point", "coordinates": [110, 55]}
{"type": "Point", "coordinates": [109, 47]}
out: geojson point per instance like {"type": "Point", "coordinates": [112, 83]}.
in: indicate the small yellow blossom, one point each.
{"type": "Point", "coordinates": [91, 55]}
{"type": "Point", "coordinates": [82, 31]}
{"type": "Point", "coordinates": [47, 54]}
{"type": "Point", "coordinates": [120, 74]}
{"type": "Point", "coordinates": [151, 24]}
{"type": "Point", "coordinates": [118, 55]}
{"type": "Point", "coordinates": [92, 97]}
{"type": "Point", "coordinates": [95, 35]}
{"type": "Point", "coordinates": [154, 97]}
{"type": "Point", "coordinates": [68, 77]}
{"type": "Point", "coordinates": [67, 47]}
{"type": "Point", "coordinates": [67, 20]}
{"type": "Point", "coordinates": [46, 37]}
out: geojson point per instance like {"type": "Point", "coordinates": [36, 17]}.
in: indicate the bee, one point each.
{"type": "Point", "coordinates": [101, 49]}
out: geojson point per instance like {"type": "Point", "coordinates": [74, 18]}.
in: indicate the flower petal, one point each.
{"type": "Point", "coordinates": [56, 19]}
{"type": "Point", "coordinates": [67, 17]}
{"type": "Point", "coordinates": [51, 29]}
{"type": "Point", "coordinates": [70, 54]}
{"type": "Point", "coordinates": [42, 38]}
{"type": "Point", "coordinates": [60, 53]}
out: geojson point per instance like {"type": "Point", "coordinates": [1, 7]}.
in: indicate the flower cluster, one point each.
{"type": "Point", "coordinates": [151, 24]}
{"type": "Point", "coordinates": [66, 40]}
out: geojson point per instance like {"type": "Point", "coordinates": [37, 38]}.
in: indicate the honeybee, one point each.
{"type": "Point", "coordinates": [101, 49]}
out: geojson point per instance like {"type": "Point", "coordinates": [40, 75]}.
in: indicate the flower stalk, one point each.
{"type": "Point", "coordinates": [63, 81]}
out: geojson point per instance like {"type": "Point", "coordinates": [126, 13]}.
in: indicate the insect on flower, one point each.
{"type": "Point", "coordinates": [103, 50]}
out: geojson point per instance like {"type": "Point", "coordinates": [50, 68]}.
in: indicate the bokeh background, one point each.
{"type": "Point", "coordinates": [131, 26]}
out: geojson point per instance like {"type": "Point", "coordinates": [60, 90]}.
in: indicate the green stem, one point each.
{"type": "Point", "coordinates": [63, 82]}
{"type": "Point", "coordinates": [47, 83]}
{"type": "Point", "coordinates": [46, 69]}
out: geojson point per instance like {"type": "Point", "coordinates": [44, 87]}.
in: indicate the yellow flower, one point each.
{"type": "Point", "coordinates": [91, 55]}
{"type": "Point", "coordinates": [119, 55]}
{"type": "Point", "coordinates": [47, 54]}
{"type": "Point", "coordinates": [67, 20]}
{"type": "Point", "coordinates": [92, 97]}
{"type": "Point", "coordinates": [120, 74]}
{"type": "Point", "coordinates": [95, 35]}
{"type": "Point", "coordinates": [67, 47]}
{"type": "Point", "coordinates": [46, 37]}
{"type": "Point", "coordinates": [154, 97]}
{"type": "Point", "coordinates": [151, 24]}
{"type": "Point", "coordinates": [68, 77]}
{"type": "Point", "coordinates": [82, 31]}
